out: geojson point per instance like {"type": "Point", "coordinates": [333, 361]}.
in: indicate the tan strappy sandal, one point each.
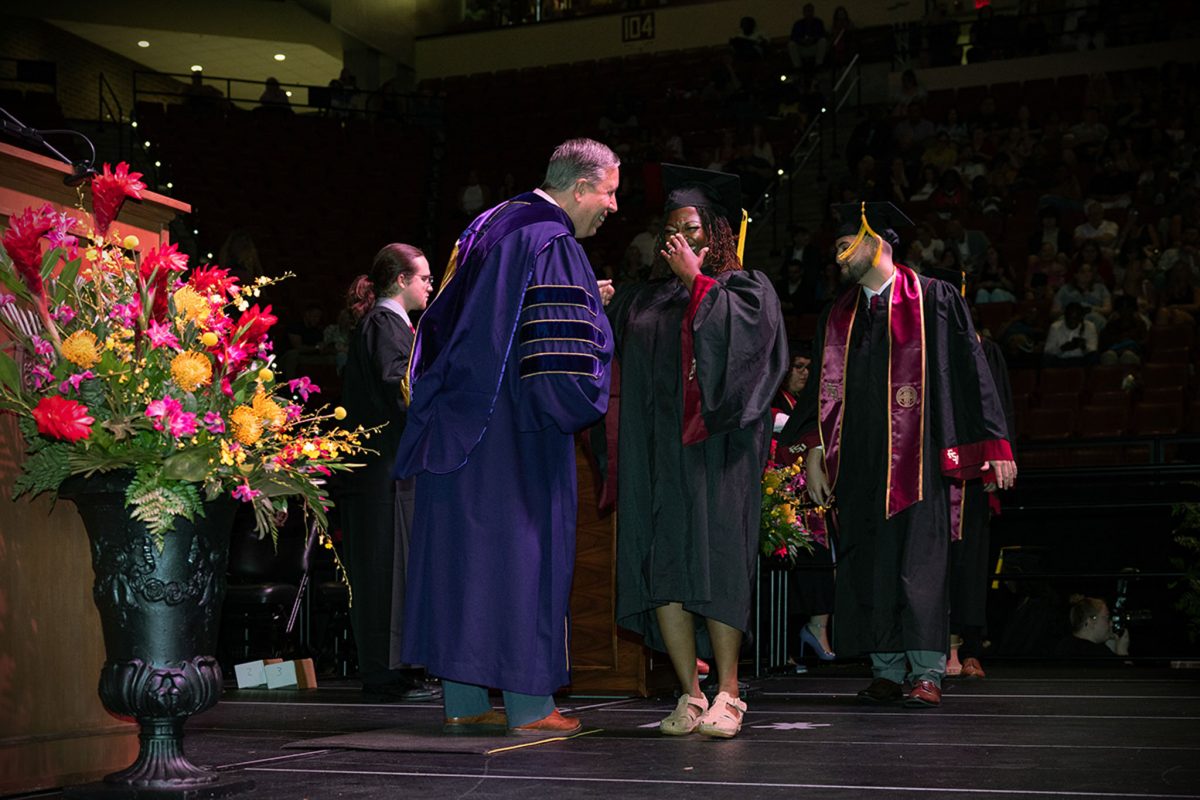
{"type": "Point", "coordinates": [686, 716]}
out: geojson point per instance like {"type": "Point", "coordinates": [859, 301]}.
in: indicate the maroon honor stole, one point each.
{"type": "Point", "coordinates": [906, 387]}
{"type": "Point", "coordinates": [694, 429]}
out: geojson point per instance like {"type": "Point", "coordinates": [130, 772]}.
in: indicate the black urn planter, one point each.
{"type": "Point", "coordinates": [160, 612]}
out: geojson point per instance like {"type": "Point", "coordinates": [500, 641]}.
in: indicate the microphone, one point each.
{"type": "Point", "coordinates": [81, 173]}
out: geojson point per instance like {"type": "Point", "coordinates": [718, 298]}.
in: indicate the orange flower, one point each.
{"type": "Point", "coordinates": [192, 305]}
{"type": "Point", "coordinates": [191, 371]}
{"type": "Point", "coordinates": [80, 349]}
{"type": "Point", "coordinates": [246, 426]}
{"type": "Point", "coordinates": [268, 411]}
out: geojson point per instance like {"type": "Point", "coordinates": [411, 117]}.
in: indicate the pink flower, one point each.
{"type": "Point", "coordinates": [62, 314]}
{"type": "Point", "coordinates": [303, 387]}
{"type": "Point", "coordinates": [182, 424]}
{"type": "Point", "coordinates": [246, 494]}
{"type": "Point", "coordinates": [125, 313]}
{"type": "Point", "coordinates": [73, 382]}
{"type": "Point", "coordinates": [59, 235]}
{"type": "Point", "coordinates": [321, 468]}
{"type": "Point", "coordinates": [157, 266]}
{"type": "Point", "coordinates": [293, 412]}
{"type": "Point", "coordinates": [161, 335]}
{"type": "Point", "coordinates": [163, 410]}
{"type": "Point", "coordinates": [42, 347]}
{"type": "Point", "coordinates": [23, 243]}
{"type": "Point", "coordinates": [213, 422]}
{"type": "Point", "coordinates": [7, 300]}
{"type": "Point", "coordinates": [40, 375]}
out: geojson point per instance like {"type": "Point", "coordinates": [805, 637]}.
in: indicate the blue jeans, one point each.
{"type": "Point", "coordinates": [469, 700]}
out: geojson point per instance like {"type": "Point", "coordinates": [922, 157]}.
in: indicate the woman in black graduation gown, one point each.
{"type": "Point", "coordinates": [701, 354]}
{"type": "Point", "coordinates": [376, 510]}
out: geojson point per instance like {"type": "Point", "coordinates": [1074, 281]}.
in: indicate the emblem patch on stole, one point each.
{"type": "Point", "coordinates": [906, 397]}
{"type": "Point", "coordinates": [952, 454]}
{"type": "Point", "coordinates": [832, 389]}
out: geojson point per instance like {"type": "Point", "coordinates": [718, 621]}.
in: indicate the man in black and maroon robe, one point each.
{"type": "Point", "coordinates": [907, 412]}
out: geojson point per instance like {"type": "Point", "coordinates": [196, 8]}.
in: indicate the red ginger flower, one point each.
{"type": "Point", "coordinates": [207, 280]}
{"type": "Point", "coordinates": [109, 190]}
{"type": "Point", "coordinates": [253, 324]}
{"type": "Point", "coordinates": [60, 418]}
{"type": "Point", "coordinates": [23, 243]}
{"type": "Point", "coordinates": [157, 266]}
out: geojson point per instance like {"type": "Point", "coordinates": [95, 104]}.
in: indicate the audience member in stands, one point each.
{"type": "Point", "coordinates": [1072, 340]}
{"type": "Point", "coordinates": [749, 43]}
{"type": "Point", "coordinates": [994, 283]}
{"type": "Point", "coordinates": [646, 243]}
{"type": "Point", "coordinates": [841, 40]}
{"type": "Point", "coordinates": [898, 186]}
{"type": "Point", "coordinates": [1097, 229]}
{"type": "Point", "coordinates": [808, 44]}
{"type": "Point", "coordinates": [908, 92]}
{"type": "Point", "coordinates": [951, 196]}
{"type": "Point", "coordinates": [1087, 137]}
{"type": "Point", "coordinates": [795, 296]}
{"type": "Point", "coordinates": [305, 342]}
{"type": "Point", "coordinates": [489, 437]}
{"type": "Point", "coordinates": [239, 255]}
{"type": "Point", "coordinates": [954, 128]}
{"type": "Point", "coordinates": [1051, 266]}
{"type": "Point", "coordinates": [1187, 250]}
{"type": "Point", "coordinates": [970, 245]}
{"type": "Point", "coordinates": [1180, 296]}
{"type": "Point", "coordinates": [343, 91]}
{"type": "Point", "coordinates": [688, 495]}
{"type": "Point", "coordinates": [376, 509]}
{"type": "Point", "coordinates": [912, 132]}
{"type": "Point", "coordinates": [755, 173]}
{"type": "Point", "coordinates": [942, 153]}
{"type": "Point", "coordinates": [1124, 338]}
{"type": "Point", "coordinates": [1133, 280]}
{"type": "Point", "coordinates": [473, 197]}
{"type": "Point", "coordinates": [201, 96]}
{"type": "Point", "coordinates": [891, 605]}
{"type": "Point", "coordinates": [1092, 634]}
{"type": "Point", "coordinates": [760, 145]}
{"type": "Point", "coordinates": [941, 37]}
{"type": "Point", "coordinates": [1022, 338]}
{"type": "Point", "coordinates": [926, 250]}
{"type": "Point", "coordinates": [1049, 231]}
{"type": "Point", "coordinates": [274, 97]}
{"type": "Point", "coordinates": [1088, 291]}
{"type": "Point", "coordinates": [926, 185]}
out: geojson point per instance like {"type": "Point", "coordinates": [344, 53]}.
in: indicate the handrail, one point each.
{"type": "Point", "coordinates": [116, 115]}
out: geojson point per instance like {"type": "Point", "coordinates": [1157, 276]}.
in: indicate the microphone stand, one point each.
{"type": "Point", "coordinates": [81, 171]}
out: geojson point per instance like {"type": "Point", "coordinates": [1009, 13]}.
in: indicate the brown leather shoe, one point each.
{"type": "Point", "coordinates": [491, 721]}
{"type": "Point", "coordinates": [924, 694]}
{"type": "Point", "coordinates": [881, 691]}
{"type": "Point", "coordinates": [971, 668]}
{"type": "Point", "coordinates": [553, 722]}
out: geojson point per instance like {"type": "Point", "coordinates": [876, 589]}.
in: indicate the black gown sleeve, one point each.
{"type": "Point", "coordinates": [389, 341]}
{"type": "Point", "coordinates": [740, 347]}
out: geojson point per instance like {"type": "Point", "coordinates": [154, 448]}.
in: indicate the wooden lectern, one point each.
{"type": "Point", "coordinates": [53, 730]}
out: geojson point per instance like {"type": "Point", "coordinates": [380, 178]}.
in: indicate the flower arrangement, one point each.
{"type": "Point", "coordinates": [122, 358]}
{"type": "Point", "coordinates": [790, 521]}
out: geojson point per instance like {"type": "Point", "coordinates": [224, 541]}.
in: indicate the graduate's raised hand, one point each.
{"type": "Point", "coordinates": [680, 258]}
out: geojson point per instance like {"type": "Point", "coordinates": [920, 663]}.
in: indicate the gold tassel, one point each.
{"type": "Point", "coordinates": [741, 247]}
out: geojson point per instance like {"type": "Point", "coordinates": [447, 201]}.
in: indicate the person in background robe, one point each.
{"type": "Point", "coordinates": [511, 359]}
{"type": "Point", "coordinates": [969, 565]}
{"type": "Point", "coordinates": [810, 592]}
{"type": "Point", "coordinates": [376, 509]}
{"type": "Point", "coordinates": [905, 405]}
{"type": "Point", "coordinates": [701, 355]}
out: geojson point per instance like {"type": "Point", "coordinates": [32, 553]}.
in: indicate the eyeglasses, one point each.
{"type": "Point", "coordinates": [428, 279]}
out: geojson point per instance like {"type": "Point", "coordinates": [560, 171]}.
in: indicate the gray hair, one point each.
{"type": "Point", "coordinates": [577, 159]}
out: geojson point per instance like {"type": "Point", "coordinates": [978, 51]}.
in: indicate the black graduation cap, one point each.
{"type": "Point", "coordinates": [882, 216]}
{"type": "Point", "coordinates": [691, 187]}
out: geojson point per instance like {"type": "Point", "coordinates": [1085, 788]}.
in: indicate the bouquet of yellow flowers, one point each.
{"type": "Point", "coordinates": [790, 521]}
{"type": "Point", "coordinates": [120, 358]}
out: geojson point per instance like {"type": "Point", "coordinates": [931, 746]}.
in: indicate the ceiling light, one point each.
{"type": "Point", "coordinates": [133, 124]}
{"type": "Point", "coordinates": [280, 57]}
{"type": "Point", "coordinates": [146, 143]}
{"type": "Point", "coordinates": [289, 94]}
{"type": "Point", "coordinates": [158, 163]}
{"type": "Point", "coordinates": [143, 43]}
{"type": "Point", "coordinates": [170, 185]}
{"type": "Point", "coordinates": [197, 68]}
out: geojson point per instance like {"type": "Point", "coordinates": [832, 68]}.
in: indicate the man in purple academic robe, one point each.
{"type": "Point", "coordinates": [511, 359]}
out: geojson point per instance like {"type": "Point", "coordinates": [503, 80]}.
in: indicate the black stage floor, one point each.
{"type": "Point", "coordinates": [1023, 732]}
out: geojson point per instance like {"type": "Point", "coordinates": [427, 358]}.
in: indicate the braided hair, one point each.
{"type": "Point", "coordinates": [722, 246]}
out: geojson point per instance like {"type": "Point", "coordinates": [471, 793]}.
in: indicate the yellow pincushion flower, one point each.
{"type": "Point", "coordinates": [268, 411]}
{"type": "Point", "coordinates": [192, 305]}
{"type": "Point", "coordinates": [191, 371]}
{"type": "Point", "coordinates": [81, 349]}
{"type": "Point", "coordinates": [246, 425]}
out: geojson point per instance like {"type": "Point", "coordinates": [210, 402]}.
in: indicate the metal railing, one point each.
{"type": "Point", "coordinates": [111, 110]}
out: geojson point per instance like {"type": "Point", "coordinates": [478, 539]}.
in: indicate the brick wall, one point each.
{"type": "Point", "coordinates": [80, 63]}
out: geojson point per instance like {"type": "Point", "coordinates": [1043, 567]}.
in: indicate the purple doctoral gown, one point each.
{"type": "Point", "coordinates": [511, 359]}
